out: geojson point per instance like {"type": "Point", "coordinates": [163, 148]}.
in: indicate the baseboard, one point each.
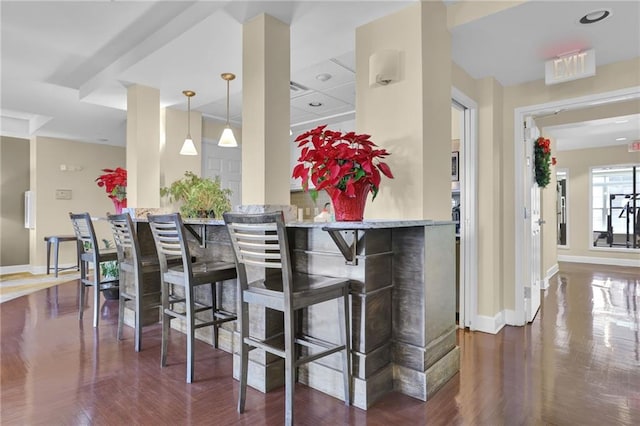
{"type": "Point", "coordinates": [487, 324]}
{"type": "Point", "coordinates": [35, 270]}
{"type": "Point", "coordinates": [550, 273]}
{"type": "Point", "coordinates": [510, 318]}
{"type": "Point", "coordinates": [600, 260]}
{"type": "Point", "coordinates": [14, 269]}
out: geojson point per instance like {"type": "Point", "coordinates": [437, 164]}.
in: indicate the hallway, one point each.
{"type": "Point", "coordinates": [577, 363]}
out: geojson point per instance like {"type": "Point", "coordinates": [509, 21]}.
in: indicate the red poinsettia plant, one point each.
{"type": "Point", "coordinates": [115, 183]}
{"type": "Point", "coordinates": [331, 159]}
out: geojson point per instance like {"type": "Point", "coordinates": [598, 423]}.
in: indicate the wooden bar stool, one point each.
{"type": "Point", "coordinates": [169, 235]}
{"type": "Point", "coordinates": [56, 240]}
{"type": "Point", "coordinates": [260, 241]}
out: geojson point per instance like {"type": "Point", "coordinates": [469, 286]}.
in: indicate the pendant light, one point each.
{"type": "Point", "coordinates": [227, 140]}
{"type": "Point", "coordinates": [188, 148]}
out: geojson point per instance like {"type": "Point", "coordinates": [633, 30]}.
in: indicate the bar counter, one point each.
{"type": "Point", "coordinates": [402, 277]}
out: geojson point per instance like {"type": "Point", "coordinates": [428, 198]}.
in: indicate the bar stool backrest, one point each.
{"type": "Point", "coordinates": [170, 238]}
{"type": "Point", "coordinates": [126, 239]}
{"type": "Point", "coordinates": [83, 228]}
{"type": "Point", "coordinates": [260, 240]}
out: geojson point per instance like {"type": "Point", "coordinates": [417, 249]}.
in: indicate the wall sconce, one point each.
{"type": "Point", "coordinates": [227, 140]}
{"type": "Point", "coordinates": [384, 67]}
{"type": "Point", "coordinates": [188, 148]}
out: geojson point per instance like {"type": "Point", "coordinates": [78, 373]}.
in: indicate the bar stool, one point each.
{"type": "Point", "coordinates": [56, 240]}
{"type": "Point", "coordinates": [91, 254]}
{"type": "Point", "coordinates": [130, 260]}
{"type": "Point", "coordinates": [169, 235]}
{"type": "Point", "coordinates": [260, 240]}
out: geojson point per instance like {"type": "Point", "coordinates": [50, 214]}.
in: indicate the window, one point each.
{"type": "Point", "coordinates": [562, 207]}
{"type": "Point", "coordinates": [615, 206]}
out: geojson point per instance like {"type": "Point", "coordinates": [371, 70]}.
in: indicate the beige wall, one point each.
{"type": "Point", "coordinates": [14, 178]}
{"type": "Point", "coordinates": [579, 164]}
{"type": "Point", "coordinates": [47, 154]}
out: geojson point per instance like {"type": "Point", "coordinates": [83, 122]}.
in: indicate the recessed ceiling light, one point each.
{"type": "Point", "coordinates": [621, 139]}
{"type": "Point", "coordinates": [315, 104]}
{"type": "Point", "coordinates": [323, 77]}
{"type": "Point", "coordinates": [621, 121]}
{"type": "Point", "coordinates": [595, 16]}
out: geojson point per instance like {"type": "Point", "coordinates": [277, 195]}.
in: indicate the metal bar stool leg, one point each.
{"type": "Point", "coordinates": [48, 255]}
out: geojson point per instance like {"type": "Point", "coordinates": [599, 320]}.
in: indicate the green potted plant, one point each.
{"type": "Point", "coordinates": [200, 197]}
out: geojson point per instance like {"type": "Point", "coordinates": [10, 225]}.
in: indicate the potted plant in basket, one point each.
{"type": "Point", "coordinates": [200, 197]}
{"type": "Point", "coordinates": [348, 166]}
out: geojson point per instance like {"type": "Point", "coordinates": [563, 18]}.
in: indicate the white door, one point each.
{"type": "Point", "coordinates": [225, 163]}
{"type": "Point", "coordinates": [533, 247]}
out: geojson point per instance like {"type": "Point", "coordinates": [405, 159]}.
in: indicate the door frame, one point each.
{"type": "Point", "coordinates": [520, 115]}
{"type": "Point", "coordinates": [469, 212]}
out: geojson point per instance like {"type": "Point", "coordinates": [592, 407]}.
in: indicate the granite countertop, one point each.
{"type": "Point", "coordinates": [366, 224]}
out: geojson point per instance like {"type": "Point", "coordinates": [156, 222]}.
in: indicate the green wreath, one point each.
{"type": "Point", "coordinates": [542, 161]}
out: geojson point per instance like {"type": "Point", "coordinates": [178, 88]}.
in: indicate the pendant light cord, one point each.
{"type": "Point", "coordinates": [227, 102]}
{"type": "Point", "coordinates": [189, 117]}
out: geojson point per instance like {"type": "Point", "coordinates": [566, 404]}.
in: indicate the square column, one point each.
{"type": "Point", "coordinates": [265, 111]}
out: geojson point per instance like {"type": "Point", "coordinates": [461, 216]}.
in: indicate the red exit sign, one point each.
{"type": "Point", "coordinates": [634, 146]}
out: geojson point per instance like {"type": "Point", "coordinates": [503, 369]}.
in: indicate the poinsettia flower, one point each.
{"type": "Point", "coordinates": [331, 159]}
{"type": "Point", "coordinates": [114, 183]}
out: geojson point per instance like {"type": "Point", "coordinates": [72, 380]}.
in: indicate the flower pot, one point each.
{"type": "Point", "coordinates": [349, 209]}
{"type": "Point", "coordinates": [119, 204]}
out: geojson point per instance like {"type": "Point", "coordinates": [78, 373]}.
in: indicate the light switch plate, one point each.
{"type": "Point", "coordinates": [63, 194]}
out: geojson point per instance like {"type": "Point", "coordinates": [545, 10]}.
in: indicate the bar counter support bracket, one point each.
{"type": "Point", "coordinates": [200, 235]}
{"type": "Point", "coordinates": [349, 251]}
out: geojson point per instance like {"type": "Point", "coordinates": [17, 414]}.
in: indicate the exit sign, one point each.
{"type": "Point", "coordinates": [634, 146]}
{"type": "Point", "coordinates": [570, 67]}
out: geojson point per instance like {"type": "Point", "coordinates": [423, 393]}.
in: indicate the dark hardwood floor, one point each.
{"type": "Point", "coordinates": [578, 363]}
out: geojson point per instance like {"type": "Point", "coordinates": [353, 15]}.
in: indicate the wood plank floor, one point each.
{"type": "Point", "coordinates": [578, 363]}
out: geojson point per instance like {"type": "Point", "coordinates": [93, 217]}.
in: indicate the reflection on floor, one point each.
{"type": "Point", "coordinates": [578, 363]}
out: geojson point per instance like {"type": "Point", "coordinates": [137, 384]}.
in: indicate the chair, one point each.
{"type": "Point", "coordinates": [91, 254]}
{"type": "Point", "coordinates": [260, 240]}
{"type": "Point", "coordinates": [131, 260]}
{"type": "Point", "coordinates": [169, 235]}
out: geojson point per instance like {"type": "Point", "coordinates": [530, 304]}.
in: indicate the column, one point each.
{"type": "Point", "coordinates": [411, 115]}
{"type": "Point", "coordinates": [265, 112]}
{"type": "Point", "coordinates": [143, 146]}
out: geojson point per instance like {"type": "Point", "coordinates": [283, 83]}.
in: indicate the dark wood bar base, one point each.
{"type": "Point", "coordinates": [402, 306]}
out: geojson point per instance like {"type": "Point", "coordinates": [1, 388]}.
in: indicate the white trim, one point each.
{"type": "Point", "coordinates": [600, 260]}
{"type": "Point", "coordinates": [488, 324]}
{"type": "Point", "coordinates": [519, 162]}
{"type": "Point", "coordinates": [14, 269]}
{"type": "Point", "coordinates": [550, 273]}
{"type": "Point", "coordinates": [469, 234]}
{"type": "Point", "coordinates": [510, 317]}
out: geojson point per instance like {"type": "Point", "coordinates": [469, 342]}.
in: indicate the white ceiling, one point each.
{"type": "Point", "coordinates": [66, 65]}
{"type": "Point", "coordinates": [603, 132]}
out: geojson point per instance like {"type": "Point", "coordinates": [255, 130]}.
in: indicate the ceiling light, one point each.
{"type": "Point", "coordinates": [315, 104]}
{"type": "Point", "coordinates": [323, 77]}
{"type": "Point", "coordinates": [227, 140]}
{"type": "Point", "coordinates": [621, 121]}
{"type": "Point", "coordinates": [188, 148]}
{"type": "Point", "coordinates": [595, 16]}
{"type": "Point", "coordinates": [621, 139]}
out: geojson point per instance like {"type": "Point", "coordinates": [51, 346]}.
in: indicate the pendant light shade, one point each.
{"type": "Point", "coordinates": [188, 148]}
{"type": "Point", "coordinates": [227, 140]}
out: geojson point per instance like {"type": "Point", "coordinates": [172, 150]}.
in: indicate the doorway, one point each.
{"type": "Point", "coordinates": [523, 244]}
{"type": "Point", "coordinates": [225, 163]}
{"type": "Point", "coordinates": [464, 191]}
